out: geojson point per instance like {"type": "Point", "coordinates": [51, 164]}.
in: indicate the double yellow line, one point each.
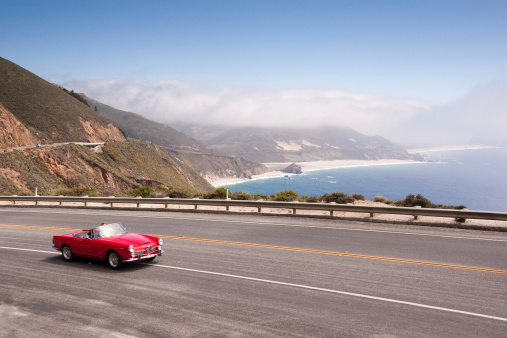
{"type": "Point", "coordinates": [324, 252]}
{"type": "Point", "coordinates": [341, 254]}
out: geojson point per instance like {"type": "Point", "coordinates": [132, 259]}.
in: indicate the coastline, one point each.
{"type": "Point", "coordinates": [448, 148]}
{"type": "Point", "coordinates": [309, 166]}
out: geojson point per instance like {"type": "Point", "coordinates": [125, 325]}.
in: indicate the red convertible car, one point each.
{"type": "Point", "coordinates": [109, 242]}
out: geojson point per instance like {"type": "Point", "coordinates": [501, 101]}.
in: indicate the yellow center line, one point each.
{"type": "Point", "coordinates": [335, 253]}
{"type": "Point", "coordinates": [341, 254]}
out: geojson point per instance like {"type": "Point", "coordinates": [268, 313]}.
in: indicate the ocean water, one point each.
{"type": "Point", "coordinates": [475, 178]}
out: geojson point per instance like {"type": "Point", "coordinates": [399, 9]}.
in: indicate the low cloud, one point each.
{"type": "Point", "coordinates": [479, 114]}
{"type": "Point", "coordinates": [169, 101]}
{"type": "Point", "coordinates": [478, 118]}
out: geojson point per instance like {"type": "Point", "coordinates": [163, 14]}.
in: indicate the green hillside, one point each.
{"type": "Point", "coordinates": [48, 111]}
{"type": "Point", "coordinates": [138, 127]}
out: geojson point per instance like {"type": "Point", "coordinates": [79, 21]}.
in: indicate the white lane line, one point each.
{"type": "Point", "coordinates": [345, 293]}
{"type": "Point", "coordinates": [171, 217]}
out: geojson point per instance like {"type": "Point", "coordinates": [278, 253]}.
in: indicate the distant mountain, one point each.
{"type": "Point", "coordinates": [278, 144]}
{"type": "Point", "coordinates": [35, 111]}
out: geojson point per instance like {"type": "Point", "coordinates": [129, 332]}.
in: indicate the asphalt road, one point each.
{"type": "Point", "coordinates": [243, 275]}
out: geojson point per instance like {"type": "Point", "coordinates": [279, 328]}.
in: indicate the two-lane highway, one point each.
{"type": "Point", "coordinates": [230, 275]}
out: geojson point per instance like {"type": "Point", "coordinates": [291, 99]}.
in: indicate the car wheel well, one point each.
{"type": "Point", "coordinates": [114, 263]}
{"type": "Point", "coordinates": [68, 255]}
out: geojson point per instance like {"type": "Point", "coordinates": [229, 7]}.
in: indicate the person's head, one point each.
{"type": "Point", "coordinates": [103, 223]}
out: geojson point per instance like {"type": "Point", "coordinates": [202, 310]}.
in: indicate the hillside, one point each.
{"type": "Point", "coordinates": [46, 113]}
{"type": "Point", "coordinates": [208, 163]}
{"type": "Point", "coordinates": [295, 144]}
{"type": "Point", "coordinates": [140, 128]}
{"type": "Point", "coordinates": [34, 111]}
{"type": "Point", "coordinates": [121, 167]}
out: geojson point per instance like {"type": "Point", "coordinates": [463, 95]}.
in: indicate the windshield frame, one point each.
{"type": "Point", "coordinates": [109, 230]}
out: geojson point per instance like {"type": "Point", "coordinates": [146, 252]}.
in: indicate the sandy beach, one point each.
{"type": "Point", "coordinates": [310, 166]}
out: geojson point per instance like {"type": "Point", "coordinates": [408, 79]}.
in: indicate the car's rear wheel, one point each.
{"type": "Point", "coordinates": [67, 253]}
{"type": "Point", "coordinates": [114, 260]}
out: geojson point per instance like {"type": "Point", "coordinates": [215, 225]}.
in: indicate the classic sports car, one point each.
{"type": "Point", "coordinates": [109, 242]}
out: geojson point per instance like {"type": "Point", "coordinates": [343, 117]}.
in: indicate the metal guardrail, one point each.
{"type": "Point", "coordinates": [294, 206]}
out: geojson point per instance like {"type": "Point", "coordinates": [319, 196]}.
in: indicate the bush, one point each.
{"type": "Point", "coordinates": [142, 192]}
{"type": "Point", "coordinates": [243, 196]}
{"type": "Point", "coordinates": [337, 197]}
{"type": "Point", "coordinates": [310, 199]}
{"type": "Point", "coordinates": [72, 192]}
{"type": "Point", "coordinates": [178, 193]}
{"type": "Point", "coordinates": [260, 196]}
{"type": "Point", "coordinates": [358, 197]}
{"type": "Point", "coordinates": [419, 200]}
{"type": "Point", "coordinates": [380, 199]}
{"type": "Point", "coordinates": [219, 193]}
{"type": "Point", "coordinates": [286, 196]}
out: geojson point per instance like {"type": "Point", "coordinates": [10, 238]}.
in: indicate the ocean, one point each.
{"type": "Point", "coordinates": [475, 178]}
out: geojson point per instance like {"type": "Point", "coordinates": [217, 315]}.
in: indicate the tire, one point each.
{"type": "Point", "coordinates": [114, 260]}
{"type": "Point", "coordinates": [67, 253]}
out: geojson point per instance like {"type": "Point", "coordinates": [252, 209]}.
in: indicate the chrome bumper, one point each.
{"type": "Point", "coordinates": [140, 258]}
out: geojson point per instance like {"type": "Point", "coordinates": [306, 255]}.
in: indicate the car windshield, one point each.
{"type": "Point", "coordinates": [109, 230]}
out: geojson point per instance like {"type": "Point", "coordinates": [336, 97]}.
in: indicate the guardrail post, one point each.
{"type": "Point", "coordinates": [195, 207]}
{"type": "Point", "coordinates": [416, 216]}
{"type": "Point", "coordinates": [294, 211]}
{"type": "Point", "coordinates": [372, 214]}
{"type": "Point", "coordinates": [227, 208]}
{"type": "Point", "coordinates": [331, 213]}
{"type": "Point", "coordinates": [259, 209]}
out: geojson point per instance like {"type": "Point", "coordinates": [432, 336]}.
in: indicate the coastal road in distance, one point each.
{"type": "Point", "coordinates": [244, 275]}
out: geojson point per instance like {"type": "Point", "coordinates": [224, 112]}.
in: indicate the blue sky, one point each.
{"type": "Point", "coordinates": [411, 54]}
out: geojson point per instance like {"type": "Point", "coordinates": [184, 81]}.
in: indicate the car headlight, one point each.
{"type": "Point", "coordinates": [131, 248]}
{"type": "Point", "coordinates": [160, 241]}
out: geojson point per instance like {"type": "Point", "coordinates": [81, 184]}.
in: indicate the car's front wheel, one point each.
{"type": "Point", "coordinates": [67, 253]}
{"type": "Point", "coordinates": [114, 260]}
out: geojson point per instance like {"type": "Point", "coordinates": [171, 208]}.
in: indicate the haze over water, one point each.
{"type": "Point", "coordinates": [474, 178]}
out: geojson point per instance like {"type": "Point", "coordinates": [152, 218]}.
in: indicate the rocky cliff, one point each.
{"type": "Point", "coordinates": [119, 168]}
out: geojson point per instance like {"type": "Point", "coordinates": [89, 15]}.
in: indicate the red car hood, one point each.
{"type": "Point", "coordinates": [130, 238]}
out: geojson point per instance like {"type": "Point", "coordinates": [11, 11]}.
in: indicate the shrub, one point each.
{"type": "Point", "coordinates": [358, 197]}
{"type": "Point", "coordinates": [243, 196]}
{"type": "Point", "coordinates": [25, 193]}
{"type": "Point", "coordinates": [286, 196]}
{"type": "Point", "coordinates": [178, 193]}
{"type": "Point", "coordinates": [78, 191]}
{"type": "Point", "coordinates": [380, 199]}
{"type": "Point", "coordinates": [260, 196]}
{"type": "Point", "coordinates": [142, 192]}
{"type": "Point", "coordinates": [310, 199]}
{"type": "Point", "coordinates": [219, 193]}
{"type": "Point", "coordinates": [337, 197]}
{"type": "Point", "coordinates": [419, 200]}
